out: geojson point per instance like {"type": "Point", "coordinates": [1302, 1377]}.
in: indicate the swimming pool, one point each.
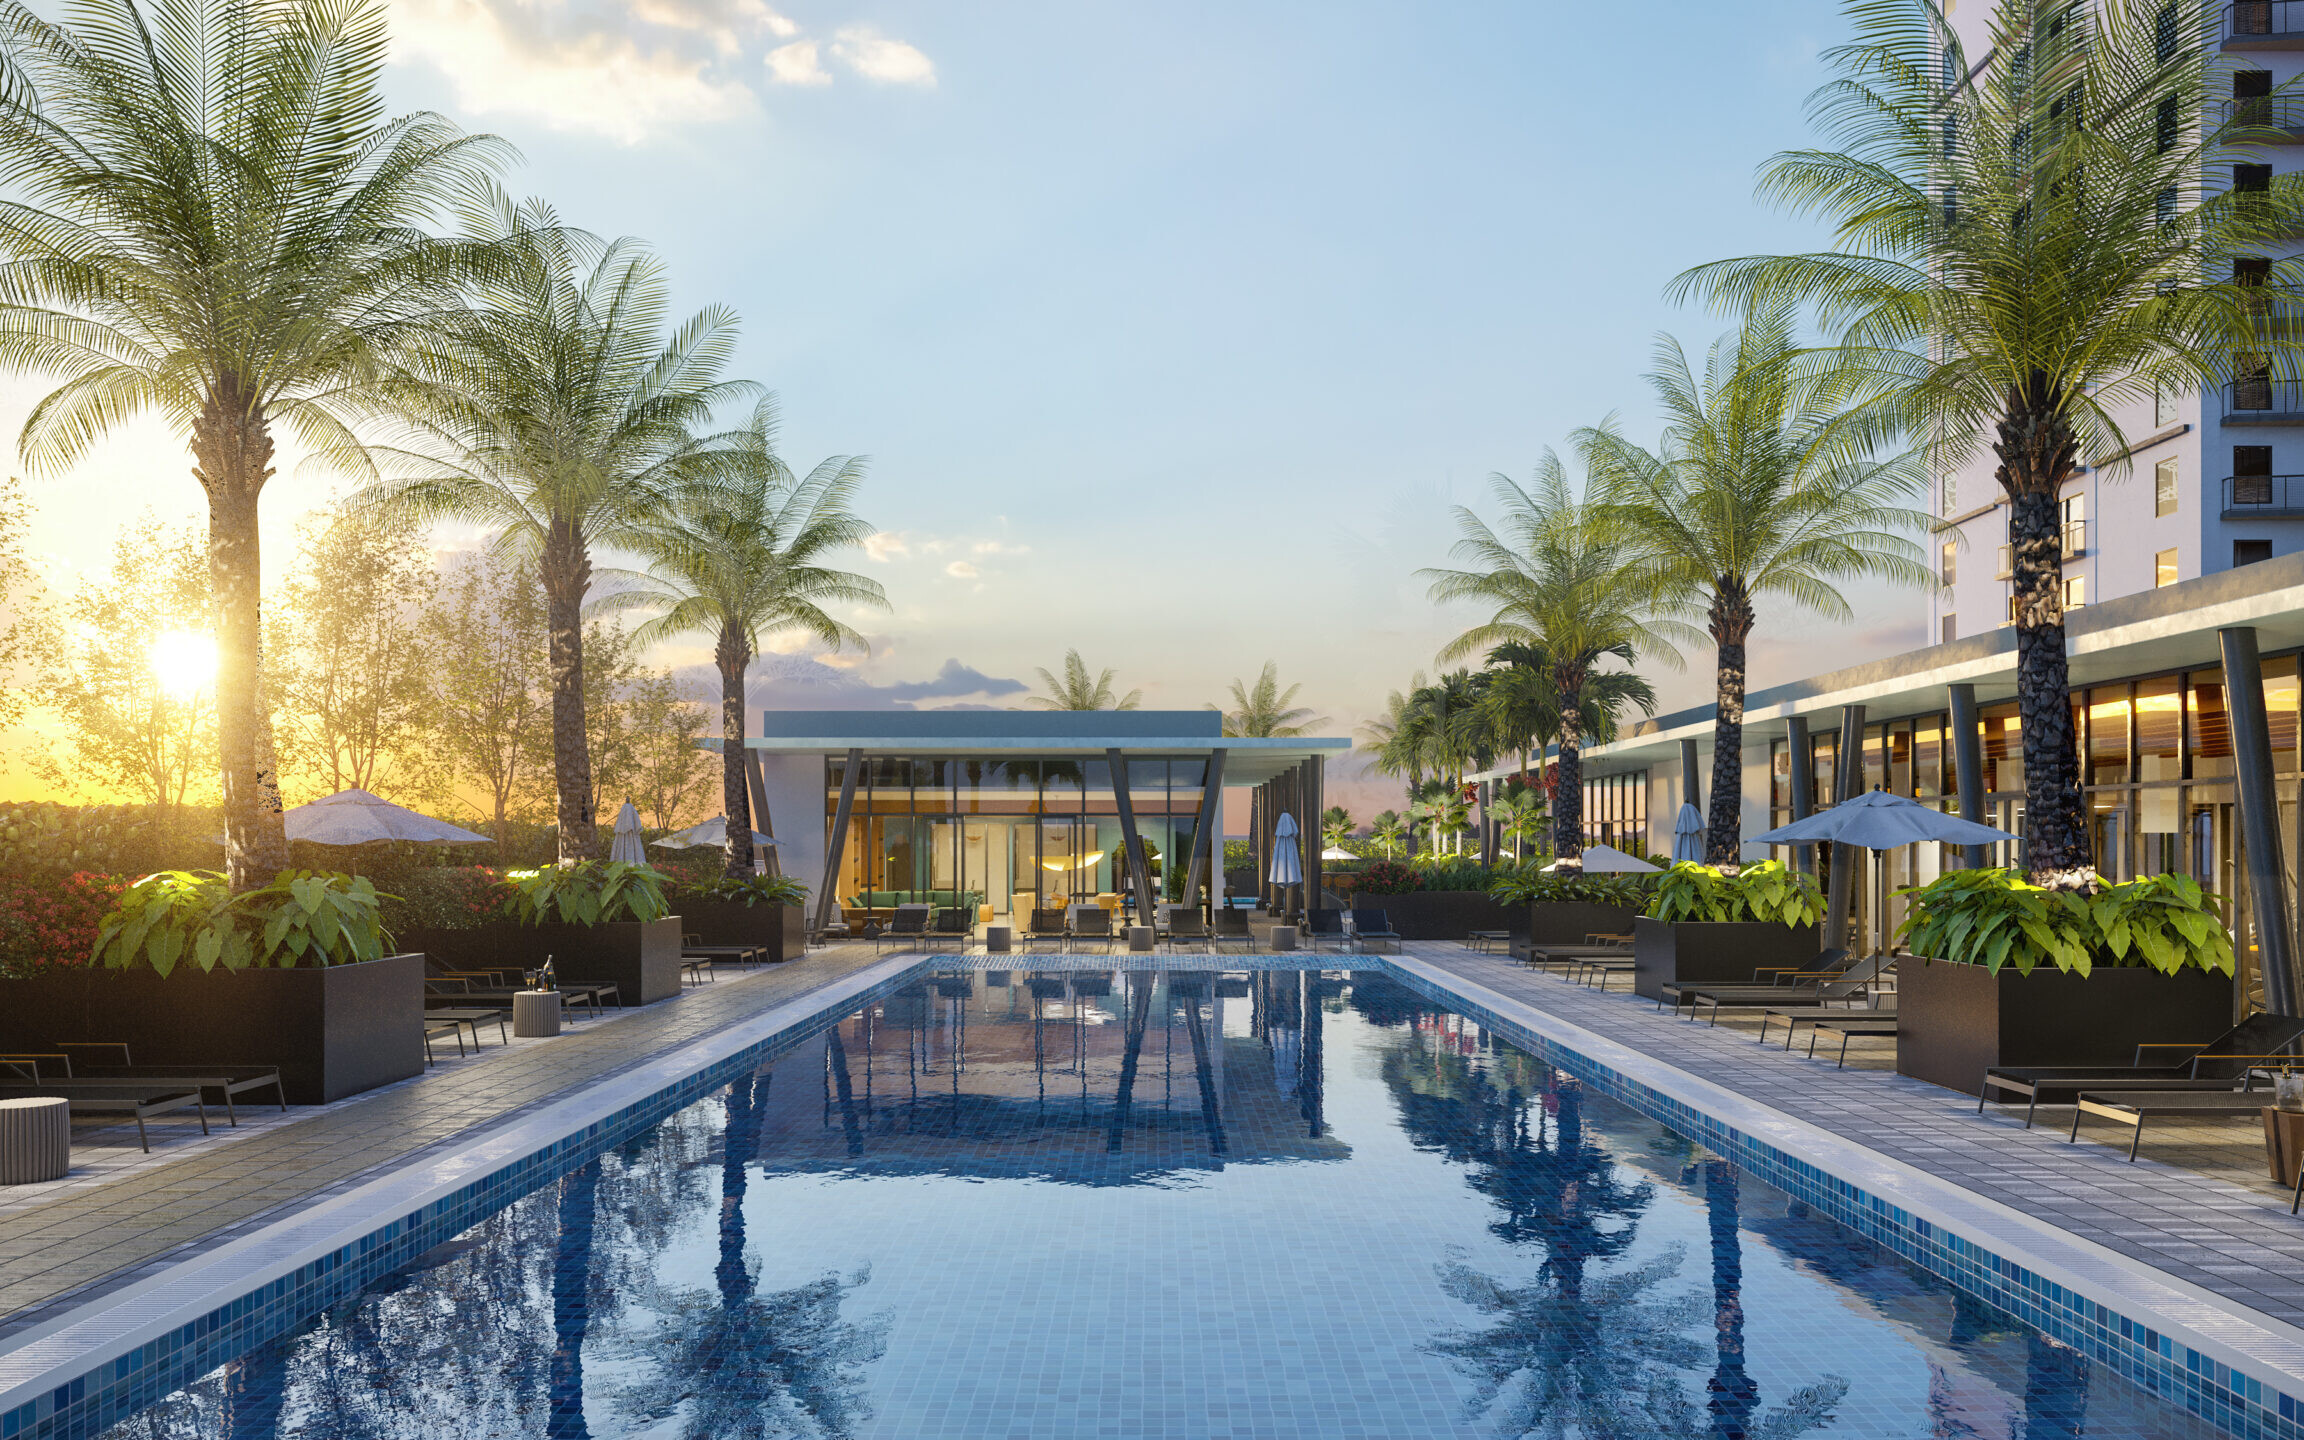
{"type": "Point", "coordinates": [1268, 1203]}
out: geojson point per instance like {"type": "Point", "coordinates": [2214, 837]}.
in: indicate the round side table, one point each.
{"type": "Point", "coordinates": [35, 1139]}
{"type": "Point", "coordinates": [536, 1014]}
{"type": "Point", "coordinates": [1284, 938]}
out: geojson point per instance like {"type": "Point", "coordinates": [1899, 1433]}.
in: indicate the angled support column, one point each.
{"type": "Point", "coordinates": [756, 785]}
{"type": "Point", "coordinates": [1138, 871]}
{"type": "Point", "coordinates": [1207, 834]}
{"type": "Point", "coordinates": [825, 899]}
{"type": "Point", "coordinates": [1968, 765]}
{"type": "Point", "coordinates": [1847, 785]}
{"type": "Point", "coordinates": [2259, 817]}
{"type": "Point", "coordinates": [1691, 787]}
{"type": "Point", "coordinates": [1802, 783]}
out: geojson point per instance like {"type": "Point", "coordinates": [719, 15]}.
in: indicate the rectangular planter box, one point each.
{"type": "Point", "coordinates": [1699, 950]}
{"type": "Point", "coordinates": [731, 922]}
{"type": "Point", "coordinates": [642, 959]}
{"type": "Point", "coordinates": [1445, 914]}
{"type": "Point", "coordinates": [1567, 922]}
{"type": "Point", "coordinates": [491, 946]}
{"type": "Point", "coordinates": [1956, 1021]}
{"type": "Point", "coordinates": [332, 1031]}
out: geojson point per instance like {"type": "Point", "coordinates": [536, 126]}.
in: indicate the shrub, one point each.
{"type": "Point", "coordinates": [48, 923]}
{"type": "Point", "coordinates": [1996, 917]}
{"type": "Point", "coordinates": [595, 892]}
{"type": "Point", "coordinates": [301, 918]}
{"type": "Point", "coordinates": [1767, 891]}
{"type": "Point", "coordinates": [1452, 872]}
{"type": "Point", "coordinates": [1388, 877]}
{"type": "Point", "coordinates": [749, 890]}
{"type": "Point", "coordinates": [1536, 886]}
{"type": "Point", "coordinates": [445, 897]}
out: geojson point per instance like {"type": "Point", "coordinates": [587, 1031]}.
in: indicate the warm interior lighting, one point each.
{"type": "Point", "coordinates": [182, 661]}
{"type": "Point", "coordinates": [1080, 864]}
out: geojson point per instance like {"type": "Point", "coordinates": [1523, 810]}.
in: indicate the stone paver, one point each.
{"type": "Point", "coordinates": [2198, 1204]}
{"type": "Point", "coordinates": [89, 1238]}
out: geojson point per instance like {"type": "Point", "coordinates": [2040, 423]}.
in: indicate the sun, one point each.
{"type": "Point", "coordinates": [182, 661]}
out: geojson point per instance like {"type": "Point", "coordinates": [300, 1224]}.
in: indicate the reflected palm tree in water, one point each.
{"type": "Point", "coordinates": [739, 1365]}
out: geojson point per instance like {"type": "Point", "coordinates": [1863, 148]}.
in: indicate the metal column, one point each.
{"type": "Point", "coordinates": [1691, 788]}
{"type": "Point", "coordinates": [1208, 835]}
{"type": "Point", "coordinates": [1847, 785]}
{"type": "Point", "coordinates": [765, 858]}
{"type": "Point", "coordinates": [1968, 765]}
{"type": "Point", "coordinates": [1802, 784]}
{"type": "Point", "coordinates": [1138, 870]}
{"type": "Point", "coordinates": [1315, 870]}
{"type": "Point", "coordinates": [2259, 816]}
{"type": "Point", "coordinates": [825, 899]}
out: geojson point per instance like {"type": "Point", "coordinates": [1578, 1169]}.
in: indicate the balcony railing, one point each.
{"type": "Point", "coordinates": [2281, 114]}
{"type": "Point", "coordinates": [2261, 497]}
{"type": "Point", "coordinates": [2264, 401]}
{"type": "Point", "coordinates": [2264, 24]}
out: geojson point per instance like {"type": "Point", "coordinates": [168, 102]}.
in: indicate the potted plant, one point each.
{"type": "Point", "coordinates": [599, 922]}
{"type": "Point", "coordinates": [1435, 899]}
{"type": "Point", "coordinates": [748, 910]}
{"type": "Point", "coordinates": [1703, 924]}
{"type": "Point", "coordinates": [1564, 908]}
{"type": "Point", "coordinates": [2004, 972]}
{"type": "Point", "coordinates": [294, 974]}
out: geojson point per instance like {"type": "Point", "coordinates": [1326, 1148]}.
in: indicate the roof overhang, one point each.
{"type": "Point", "coordinates": [1246, 762]}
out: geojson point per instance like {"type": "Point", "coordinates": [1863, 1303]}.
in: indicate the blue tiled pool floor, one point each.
{"type": "Point", "coordinates": [1262, 1204]}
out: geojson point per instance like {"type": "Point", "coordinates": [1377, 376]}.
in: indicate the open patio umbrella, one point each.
{"type": "Point", "coordinates": [1608, 860]}
{"type": "Point", "coordinates": [1879, 820]}
{"type": "Point", "coordinates": [625, 844]}
{"type": "Point", "coordinates": [356, 817]}
{"type": "Point", "coordinates": [712, 833]}
{"type": "Point", "coordinates": [1688, 834]}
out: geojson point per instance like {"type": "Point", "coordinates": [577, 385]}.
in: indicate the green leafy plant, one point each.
{"type": "Point", "coordinates": [594, 892]}
{"type": "Point", "coordinates": [445, 897]}
{"type": "Point", "coordinates": [1769, 891]}
{"type": "Point", "coordinates": [1997, 917]}
{"type": "Point", "coordinates": [1536, 886]}
{"type": "Point", "coordinates": [775, 890]}
{"type": "Point", "coordinates": [1451, 872]}
{"type": "Point", "coordinates": [301, 917]}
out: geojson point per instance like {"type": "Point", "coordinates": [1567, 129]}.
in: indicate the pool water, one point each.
{"type": "Point", "coordinates": [1191, 1204]}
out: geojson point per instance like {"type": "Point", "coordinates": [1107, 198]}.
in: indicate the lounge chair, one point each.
{"type": "Point", "coordinates": [1851, 985]}
{"type": "Point", "coordinates": [2133, 1107]}
{"type": "Point", "coordinates": [1047, 925]}
{"type": "Point", "coordinates": [1091, 922]}
{"type": "Point", "coordinates": [1374, 925]}
{"type": "Point", "coordinates": [452, 993]}
{"type": "Point", "coordinates": [1324, 923]}
{"type": "Point", "coordinates": [1845, 1028]}
{"type": "Point", "coordinates": [472, 1019]}
{"type": "Point", "coordinates": [1231, 928]}
{"type": "Point", "coordinates": [909, 925]}
{"type": "Point", "coordinates": [1795, 1016]}
{"type": "Point", "coordinates": [142, 1099]}
{"type": "Point", "coordinates": [111, 1060]}
{"type": "Point", "coordinates": [1185, 927]}
{"type": "Point", "coordinates": [692, 947]}
{"type": "Point", "coordinates": [956, 923]}
{"type": "Point", "coordinates": [1544, 957]}
{"type": "Point", "coordinates": [2223, 1062]}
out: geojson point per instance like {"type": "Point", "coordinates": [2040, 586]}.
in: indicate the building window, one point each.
{"type": "Point", "coordinates": [1951, 630]}
{"type": "Point", "coordinates": [2075, 591]}
{"type": "Point", "coordinates": [2251, 475]}
{"type": "Point", "coordinates": [2011, 610]}
{"type": "Point", "coordinates": [2252, 179]}
{"type": "Point", "coordinates": [2164, 488]}
{"type": "Point", "coordinates": [2163, 406]}
{"type": "Point", "coordinates": [2075, 521]}
{"type": "Point", "coordinates": [1951, 561]}
{"type": "Point", "coordinates": [2250, 552]}
{"type": "Point", "coordinates": [1951, 496]}
{"type": "Point", "coordinates": [2167, 123]}
{"type": "Point", "coordinates": [2164, 568]}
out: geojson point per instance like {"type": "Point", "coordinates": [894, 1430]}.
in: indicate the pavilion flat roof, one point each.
{"type": "Point", "coordinates": [1035, 732]}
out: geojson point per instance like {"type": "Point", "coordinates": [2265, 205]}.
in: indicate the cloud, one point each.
{"type": "Point", "coordinates": [999, 547]}
{"type": "Point", "coordinates": [806, 682]}
{"type": "Point", "coordinates": [961, 570]}
{"type": "Point", "coordinates": [954, 680]}
{"type": "Point", "coordinates": [796, 64]}
{"type": "Point", "coordinates": [885, 545]}
{"type": "Point", "coordinates": [875, 56]}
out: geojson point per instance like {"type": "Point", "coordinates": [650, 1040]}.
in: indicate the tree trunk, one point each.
{"type": "Point", "coordinates": [2038, 453]}
{"type": "Point", "coordinates": [732, 655]}
{"type": "Point", "coordinates": [567, 574]}
{"type": "Point", "coordinates": [232, 458]}
{"type": "Point", "coordinates": [1568, 799]}
{"type": "Point", "coordinates": [1733, 1395]}
{"type": "Point", "coordinates": [572, 1303]}
{"type": "Point", "coordinates": [1731, 628]}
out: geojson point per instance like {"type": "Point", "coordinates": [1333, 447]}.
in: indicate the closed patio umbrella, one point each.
{"type": "Point", "coordinates": [1882, 821]}
{"type": "Point", "coordinates": [712, 833]}
{"type": "Point", "coordinates": [1287, 865]}
{"type": "Point", "coordinates": [1688, 834]}
{"type": "Point", "coordinates": [356, 817]}
{"type": "Point", "coordinates": [625, 844]}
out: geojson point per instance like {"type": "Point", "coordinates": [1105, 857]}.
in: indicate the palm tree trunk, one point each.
{"type": "Point", "coordinates": [567, 574]}
{"type": "Point", "coordinates": [735, 796]}
{"type": "Point", "coordinates": [1568, 803]}
{"type": "Point", "coordinates": [1731, 628]}
{"type": "Point", "coordinates": [1733, 1394]}
{"type": "Point", "coordinates": [572, 1303]}
{"type": "Point", "coordinates": [2038, 452]}
{"type": "Point", "coordinates": [232, 458]}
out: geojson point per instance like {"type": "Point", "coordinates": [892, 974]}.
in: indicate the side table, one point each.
{"type": "Point", "coordinates": [2283, 1144]}
{"type": "Point", "coordinates": [536, 1014]}
{"type": "Point", "coordinates": [999, 939]}
{"type": "Point", "coordinates": [1284, 938]}
{"type": "Point", "coordinates": [35, 1139]}
{"type": "Point", "coordinates": [1140, 939]}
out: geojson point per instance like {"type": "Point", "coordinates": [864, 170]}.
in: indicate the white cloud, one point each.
{"type": "Point", "coordinates": [999, 547]}
{"type": "Point", "coordinates": [875, 56]}
{"type": "Point", "coordinates": [796, 64]}
{"type": "Point", "coordinates": [961, 570]}
{"type": "Point", "coordinates": [885, 545]}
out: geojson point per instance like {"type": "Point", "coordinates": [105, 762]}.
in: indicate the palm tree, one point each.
{"type": "Point", "coordinates": [1077, 691]}
{"type": "Point", "coordinates": [2001, 301]}
{"type": "Point", "coordinates": [1335, 826]}
{"type": "Point", "coordinates": [1263, 712]}
{"type": "Point", "coordinates": [741, 556]}
{"type": "Point", "coordinates": [564, 415]}
{"type": "Point", "coordinates": [214, 219]}
{"type": "Point", "coordinates": [1388, 830]}
{"type": "Point", "coordinates": [1751, 498]}
{"type": "Point", "coordinates": [1559, 576]}
{"type": "Point", "coordinates": [1393, 750]}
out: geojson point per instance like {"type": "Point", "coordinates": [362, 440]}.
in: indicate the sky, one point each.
{"type": "Point", "coordinates": [1173, 333]}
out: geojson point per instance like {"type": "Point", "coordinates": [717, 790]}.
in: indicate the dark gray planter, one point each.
{"type": "Point", "coordinates": [782, 928]}
{"type": "Point", "coordinates": [1724, 952]}
{"type": "Point", "coordinates": [496, 945]}
{"type": "Point", "coordinates": [1956, 1021]}
{"type": "Point", "coordinates": [640, 958]}
{"type": "Point", "coordinates": [332, 1031]}
{"type": "Point", "coordinates": [1445, 914]}
{"type": "Point", "coordinates": [1567, 922]}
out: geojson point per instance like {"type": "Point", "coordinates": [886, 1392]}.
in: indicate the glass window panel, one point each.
{"type": "Point", "coordinates": [2108, 736]}
{"type": "Point", "coordinates": [1096, 782]}
{"type": "Point", "coordinates": [1824, 770]}
{"type": "Point", "coordinates": [2003, 744]}
{"type": "Point", "coordinates": [1875, 758]}
{"type": "Point", "coordinates": [1928, 757]}
{"type": "Point", "coordinates": [1900, 759]}
{"type": "Point", "coordinates": [2209, 725]}
{"type": "Point", "coordinates": [2159, 758]}
{"type": "Point", "coordinates": [1059, 787]}
{"type": "Point", "coordinates": [1779, 776]}
{"type": "Point", "coordinates": [2280, 696]}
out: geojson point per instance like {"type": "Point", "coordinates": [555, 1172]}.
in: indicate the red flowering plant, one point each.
{"type": "Point", "coordinates": [1388, 877]}
{"type": "Point", "coordinates": [49, 922]}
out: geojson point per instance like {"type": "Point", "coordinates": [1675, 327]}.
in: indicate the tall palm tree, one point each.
{"type": "Point", "coordinates": [213, 218]}
{"type": "Point", "coordinates": [1556, 573]}
{"type": "Point", "coordinates": [740, 556]}
{"type": "Point", "coordinates": [2004, 302]}
{"type": "Point", "coordinates": [563, 414]}
{"type": "Point", "coordinates": [1264, 710]}
{"type": "Point", "coordinates": [1388, 830]}
{"type": "Point", "coordinates": [1077, 690]}
{"type": "Point", "coordinates": [1393, 750]}
{"type": "Point", "coordinates": [1749, 498]}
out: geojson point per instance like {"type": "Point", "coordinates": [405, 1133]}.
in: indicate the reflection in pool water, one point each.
{"type": "Point", "coordinates": [1158, 1204]}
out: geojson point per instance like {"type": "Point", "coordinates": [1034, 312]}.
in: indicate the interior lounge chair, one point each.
{"type": "Point", "coordinates": [907, 927]}
{"type": "Point", "coordinates": [954, 923]}
{"type": "Point", "coordinates": [1048, 927]}
{"type": "Point", "coordinates": [140, 1098]}
{"type": "Point", "coordinates": [1186, 927]}
{"type": "Point", "coordinates": [111, 1060]}
{"type": "Point", "coordinates": [1231, 928]}
{"type": "Point", "coordinates": [1323, 922]}
{"type": "Point", "coordinates": [2223, 1063]}
{"type": "Point", "coordinates": [1851, 987]}
{"type": "Point", "coordinates": [1374, 927]}
{"type": "Point", "coordinates": [1092, 922]}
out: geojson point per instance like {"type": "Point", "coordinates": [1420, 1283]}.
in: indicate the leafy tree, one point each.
{"type": "Point", "coordinates": [562, 414]}
{"type": "Point", "coordinates": [27, 626]}
{"type": "Point", "coordinates": [1265, 711]}
{"type": "Point", "coordinates": [1751, 497]}
{"type": "Point", "coordinates": [1077, 691]}
{"type": "Point", "coordinates": [1557, 575]}
{"type": "Point", "coordinates": [2025, 246]}
{"type": "Point", "coordinates": [218, 221]}
{"type": "Point", "coordinates": [742, 556]}
{"type": "Point", "coordinates": [486, 629]}
{"type": "Point", "coordinates": [671, 774]}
